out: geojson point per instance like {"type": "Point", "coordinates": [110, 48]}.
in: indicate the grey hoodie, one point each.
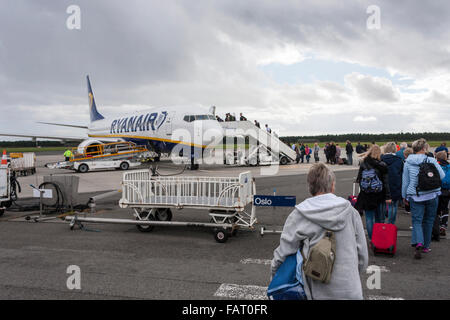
{"type": "Point", "coordinates": [307, 224]}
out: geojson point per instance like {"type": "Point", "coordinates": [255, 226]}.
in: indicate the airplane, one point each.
{"type": "Point", "coordinates": [155, 128]}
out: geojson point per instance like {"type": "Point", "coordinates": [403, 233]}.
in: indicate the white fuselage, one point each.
{"type": "Point", "coordinates": [161, 128]}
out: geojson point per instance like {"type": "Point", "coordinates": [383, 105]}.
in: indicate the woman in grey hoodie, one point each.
{"type": "Point", "coordinates": [307, 224]}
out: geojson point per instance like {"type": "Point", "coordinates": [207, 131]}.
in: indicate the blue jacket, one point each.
{"type": "Point", "coordinates": [395, 172]}
{"type": "Point", "coordinates": [400, 154]}
{"type": "Point", "coordinates": [411, 172]}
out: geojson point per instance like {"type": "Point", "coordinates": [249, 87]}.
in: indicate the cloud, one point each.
{"type": "Point", "coordinates": [202, 53]}
{"type": "Point", "coordinates": [372, 88]}
{"type": "Point", "coordinates": [364, 119]}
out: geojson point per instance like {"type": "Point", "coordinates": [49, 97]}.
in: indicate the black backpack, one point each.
{"type": "Point", "coordinates": [429, 178]}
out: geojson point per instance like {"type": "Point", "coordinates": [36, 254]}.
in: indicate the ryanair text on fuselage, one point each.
{"type": "Point", "coordinates": [143, 122]}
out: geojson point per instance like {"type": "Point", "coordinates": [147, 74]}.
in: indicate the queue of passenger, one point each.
{"type": "Point", "coordinates": [412, 176]}
{"type": "Point", "coordinates": [325, 234]}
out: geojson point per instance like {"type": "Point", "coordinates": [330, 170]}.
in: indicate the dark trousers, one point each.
{"type": "Point", "coordinates": [441, 219]}
{"type": "Point", "coordinates": [67, 158]}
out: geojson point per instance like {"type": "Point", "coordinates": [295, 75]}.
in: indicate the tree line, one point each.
{"type": "Point", "coordinates": [32, 144]}
{"type": "Point", "coordinates": [368, 137]}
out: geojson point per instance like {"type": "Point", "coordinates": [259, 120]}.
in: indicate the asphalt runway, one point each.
{"type": "Point", "coordinates": [119, 262]}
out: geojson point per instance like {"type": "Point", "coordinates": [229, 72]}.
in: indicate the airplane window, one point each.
{"type": "Point", "coordinates": [191, 118]}
{"type": "Point", "coordinates": [211, 117]}
{"type": "Point", "coordinates": [201, 117]}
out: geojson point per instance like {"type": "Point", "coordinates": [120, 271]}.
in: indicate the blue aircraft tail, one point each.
{"type": "Point", "coordinates": [95, 115]}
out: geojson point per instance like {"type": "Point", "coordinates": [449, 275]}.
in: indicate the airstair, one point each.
{"type": "Point", "coordinates": [253, 145]}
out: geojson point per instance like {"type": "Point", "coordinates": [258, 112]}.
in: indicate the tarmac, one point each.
{"type": "Point", "coordinates": [119, 262]}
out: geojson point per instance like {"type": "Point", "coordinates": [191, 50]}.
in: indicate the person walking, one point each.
{"type": "Point", "coordinates": [307, 153]}
{"type": "Point", "coordinates": [302, 152]}
{"type": "Point", "coordinates": [338, 154]}
{"type": "Point", "coordinates": [307, 224]}
{"type": "Point", "coordinates": [316, 152]}
{"type": "Point", "coordinates": [326, 150]}
{"type": "Point", "coordinates": [297, 152]}
{"type": "Point", "coordinates": [349, 151]}
{"type": "Point", "coordinates": [395, 172]}
{"type": "Point", "coordinates": [441, 221]}
{"type": "Point", "coordinates": [423, 203]}
{"type": "Point", "coordinates": [442, 147]}
{"type": "Point", "coordinates": [400, 152]}
{"type": "Point", "coordinates": [332, 153]}
{"type": "Point", "coordinates": [374, 185]}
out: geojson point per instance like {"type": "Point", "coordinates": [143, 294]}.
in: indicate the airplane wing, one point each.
{"type": "Point", "coordinates": [64, 125]}
{"type": "Point", "coordinates": [65, 138]}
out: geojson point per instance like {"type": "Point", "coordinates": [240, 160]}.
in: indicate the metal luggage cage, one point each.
{"type": "Point", "coordinates": [152, 197]}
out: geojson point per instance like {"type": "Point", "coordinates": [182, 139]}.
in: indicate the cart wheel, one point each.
{"type": "Point", "coordinates": [124, 166]}
{"type": "Point", "coordinates": [163, 214]}
{"type": "Point", "coordinates": [284, 161]}
{"type": "Point", "coordinates": [146, 228]}
{"type": "Point", "coordinates": [83, 168]}
{"type": "Point", "coordinates": [221, 235]}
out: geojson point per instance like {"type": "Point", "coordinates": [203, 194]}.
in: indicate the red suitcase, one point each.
{"type": "Point", "coordinates": [384, 238]}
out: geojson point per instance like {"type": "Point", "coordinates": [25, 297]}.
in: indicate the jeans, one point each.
{"type": "Point", "coordinates": [372, 217]}
{"type": "Point", "coordinates": [392, 211]}
{"type": "Point", "coordinates": [423, 214]}
{"type": "Point", "coordinates": [350, 159]}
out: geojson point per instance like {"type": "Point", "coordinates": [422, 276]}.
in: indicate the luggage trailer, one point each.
{"type": "Point", "coordinates": [152, 199]}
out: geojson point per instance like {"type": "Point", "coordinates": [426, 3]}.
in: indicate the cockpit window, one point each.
{"type": "Point", "coordinates": [190, 118]}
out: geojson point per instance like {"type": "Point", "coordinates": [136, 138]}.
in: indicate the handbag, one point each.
{"type": "Point", "coordinates": [287, 283]}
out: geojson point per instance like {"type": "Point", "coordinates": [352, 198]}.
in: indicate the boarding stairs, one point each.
{"type": "Point", "coordinates": [261, 144]}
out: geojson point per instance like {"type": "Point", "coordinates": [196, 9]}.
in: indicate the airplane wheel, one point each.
{"type": "Point", "coordinates": [146, 228]}
{"type": "Point", "coordinates": [163, 214]}
{"type": "Point", "coordinates": [220, 235]}
{"type": "Point", "coordinates": [124, 166]}
{"type": "Point", "coordinates": [83, 168]}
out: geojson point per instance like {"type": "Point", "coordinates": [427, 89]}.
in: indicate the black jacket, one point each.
{"type": "Point", "coordinates": [370, 201]}
{"type": "Point", "coordinates": [349, 148]}
{"type": "Point", "coordinates": [395, 171]}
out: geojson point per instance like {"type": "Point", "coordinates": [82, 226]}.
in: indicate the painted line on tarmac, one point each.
{"type": "Point", "coordinates": [241, 292]}
{"type": "Point", "coordinates": [256, 261]}
{"type": "Point", "coordinates": [372, 268]}
{"type": "Point", "coordinates": [383, 298]}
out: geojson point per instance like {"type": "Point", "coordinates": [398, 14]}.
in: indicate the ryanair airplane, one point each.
{"type": "Point", "coordinates": [159, 129]}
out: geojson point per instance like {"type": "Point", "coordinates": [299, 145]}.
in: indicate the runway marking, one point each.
{"type": "Point", "coordinates": [256, 261]}
{"type": "Point", "coordinates": [370, 269]}
{"type": "Point", "coordinates": [383, 298]}
{"type": "Point", "coordinates": [241, 292]}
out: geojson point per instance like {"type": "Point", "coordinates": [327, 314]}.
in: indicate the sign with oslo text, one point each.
{"type": "Point", "coordinates": [274, 201]}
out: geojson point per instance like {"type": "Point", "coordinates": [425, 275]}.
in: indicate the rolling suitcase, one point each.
{"type": "Point", "coordinates": [384, 238]}
{"type": "Point", "coordinates": [353, 198]}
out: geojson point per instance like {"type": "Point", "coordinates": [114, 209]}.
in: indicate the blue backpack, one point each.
{"type": "Point", "coordinates": [370, 182]}
{"type": "Point", "coordinates": [446, 180]}
{"type": "Point", "coordinates": [287, 283]}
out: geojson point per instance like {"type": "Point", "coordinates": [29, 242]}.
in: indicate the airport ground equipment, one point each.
{"type": "Point", "coordinates": [262, 149]}
{"type": "Point", "coordinates": [64, 192]}
{"type": "Point", "coordinates": [5, 188]}
{"type": "Point", "coordinates": [23, 163]}
{"type": "Point", "coordinates": [117, 155]}
{"type": "Point", "coordinates": [153, 197]}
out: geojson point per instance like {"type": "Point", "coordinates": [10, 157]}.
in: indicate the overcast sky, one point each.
{"type": "Point", "coordinates": [303, 67]}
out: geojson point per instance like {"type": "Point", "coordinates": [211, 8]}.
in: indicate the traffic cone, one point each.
{"type": "Point", "coordinates": [4, 160]}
